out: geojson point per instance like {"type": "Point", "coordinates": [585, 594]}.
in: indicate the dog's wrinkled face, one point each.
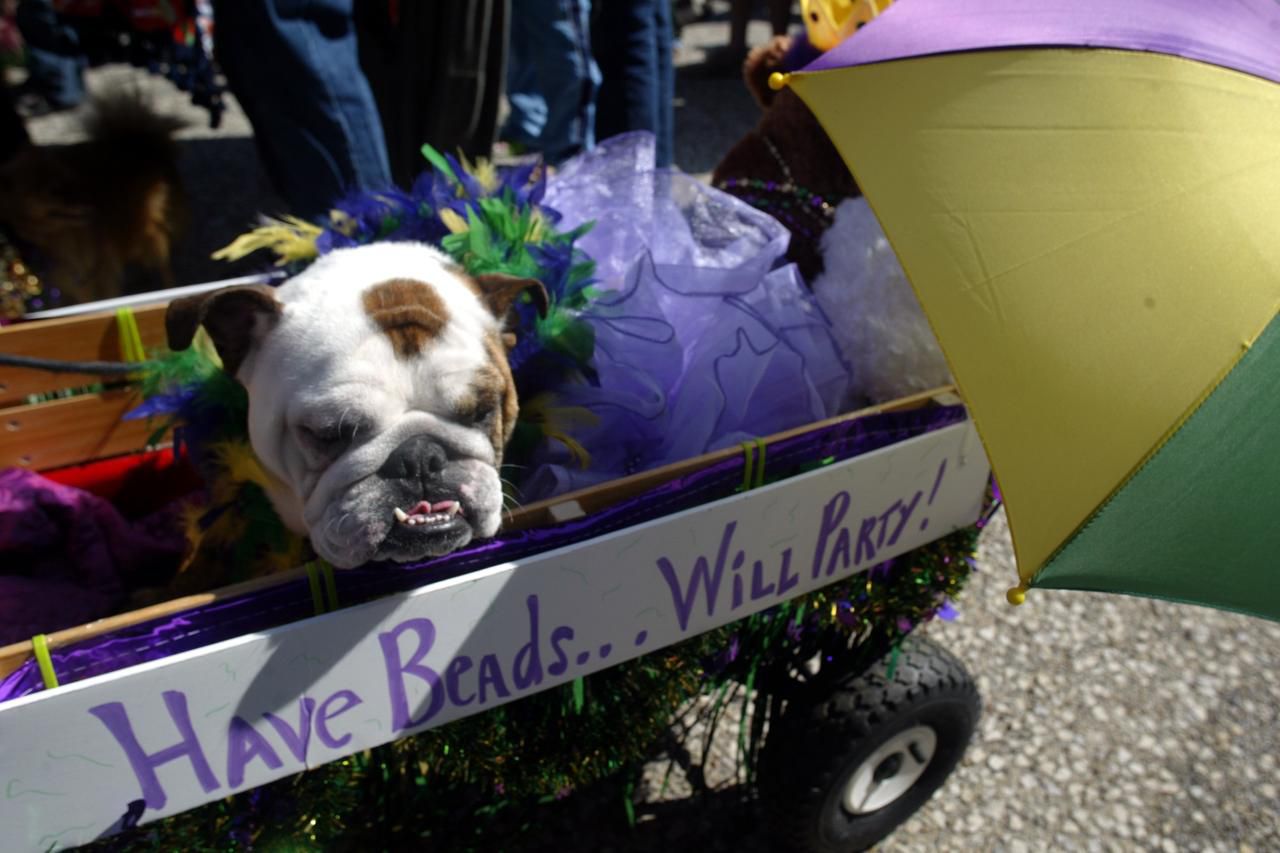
{"type": "Point", "coordinates": [379, 396]}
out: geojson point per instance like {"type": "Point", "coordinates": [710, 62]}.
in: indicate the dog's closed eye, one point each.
{"type": "Point", "coordinates": [476, 413]}
{"type": "Point", "coordinates": [327, 440]}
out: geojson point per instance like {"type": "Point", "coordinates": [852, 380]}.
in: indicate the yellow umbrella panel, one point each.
{"type": "Point", "coordinates": [1093, 235]}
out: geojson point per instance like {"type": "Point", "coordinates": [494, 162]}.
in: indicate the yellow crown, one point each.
{"type": "Point", "coordinates": [830, 22]}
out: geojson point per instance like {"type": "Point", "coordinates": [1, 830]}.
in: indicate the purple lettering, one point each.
{"type": "Point", "coordinates": [864, 540]}
{"type": "Point", "coordinates": [491, 675]}
{"type": "Point", "coordinates": [114, 717]}
{"type": "Point", "coordinates": [325, 715]}
{"type": "Point", "coordinates": [737, 580]}
{"type": "Point", "coordinates": [709, 579]}
{"type": "Point", "coordinates": [832, 516]}
{"type": "Point", "coordinates": [841, 550]}
{"type": "Point", "coordinates": [786, 580]}
{"type": "Point", "coordinates": [457, 666]}
{"type": "Point", "coordinates": [937, 483]}
{"type": "Point", "coordinates": [884, 522]}
{"type": "Point", "coordinates": [527, 669]}
{"type": "Point", "coordinates": [907, 509]}
{"type": "Point", "coordinates": [401, 718]}
{"type": "Point", "coordinates": [243, 745]}
{"type": "Point", "coordinates": [758, 588]}
{"type": "Point", "coordinates": [296, 741]}
{"type": "Point", "coordinates": [561, 664]}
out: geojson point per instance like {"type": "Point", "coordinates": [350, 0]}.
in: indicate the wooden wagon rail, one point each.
{"type": "Point", "coordinates": [48, 435]}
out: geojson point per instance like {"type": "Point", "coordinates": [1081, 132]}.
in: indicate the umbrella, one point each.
{"type": "Point", "coordinates": [1086, 198]}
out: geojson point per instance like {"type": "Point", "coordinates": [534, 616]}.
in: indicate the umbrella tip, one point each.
{"type": "Point", "coordinates": [1017, 595]}
{"type": "Point", "coordinates": [778, 81]}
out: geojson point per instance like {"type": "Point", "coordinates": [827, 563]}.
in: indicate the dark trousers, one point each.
{"type": "Point", "coordinates": [294, 67]}
{"type": "Point", "coordinates": [55, 62]}
{"type": "Point", "coordinates": [633, 39]}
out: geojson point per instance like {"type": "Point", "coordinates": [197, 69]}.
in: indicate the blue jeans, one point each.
{"type": "Point", "coordinates": [638, 91]}
{"type": "Point", "coordinates": [293, 66]}
{"type": "Point", "coordinates": [552, 79]}
{"type": "Point", "coordinates": [55, 63]}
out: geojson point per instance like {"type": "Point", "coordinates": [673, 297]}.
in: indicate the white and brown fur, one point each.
{"type": "Point", "coordinates": [368, 354]}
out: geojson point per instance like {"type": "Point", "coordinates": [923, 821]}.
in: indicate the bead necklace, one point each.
{"type": "Point", "coordinates": [20, 287]}
{"type": "Point", "coordinates": [804, 212]}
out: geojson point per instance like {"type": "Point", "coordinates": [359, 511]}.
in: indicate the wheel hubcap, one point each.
{"type": "Point", "coordinates": [891, 770]}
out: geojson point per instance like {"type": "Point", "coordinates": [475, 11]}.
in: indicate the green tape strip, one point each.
{"type": "Point", "coordinates": [330, 585]}
{"type": "Point", "coordinates": [749, 451]}
{"type": "Point", "coordinates": [40, 642]}
{"type": "Point", "coordinates": [317, 594]}
{"type": "Point", "coordinates": [760, 450]}
{"type": "Point", "coordinates": [131, 348]}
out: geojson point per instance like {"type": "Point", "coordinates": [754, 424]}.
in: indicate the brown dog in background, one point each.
{"type": "Point", "coordinates": [85, 214]}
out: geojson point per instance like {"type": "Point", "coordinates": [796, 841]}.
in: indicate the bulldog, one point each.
{"type": "Point", "coordinates": [380, 398]}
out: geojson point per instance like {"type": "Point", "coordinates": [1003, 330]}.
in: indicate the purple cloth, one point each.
{"type": "Point", "coordinates": [1239, 34]}
{"type": "Point", "coordinates": [704, 336]}
{"type": "Point", "coordinates": [68, 557]}
{"type": "Point", "coordinates": [291, 601]}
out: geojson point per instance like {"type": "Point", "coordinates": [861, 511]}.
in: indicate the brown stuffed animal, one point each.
{"type": "Point", "coordinates": [786, 166]}
{"type": "Point", "coordinates": [84, 213]}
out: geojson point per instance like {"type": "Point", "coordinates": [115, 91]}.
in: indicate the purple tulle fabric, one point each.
{"type": "Point", "coordinates": [704, 336]}
{"type": "Point", "coordinates": [292, 601]}
{"type": "Point", "coordinates": [68, 557]}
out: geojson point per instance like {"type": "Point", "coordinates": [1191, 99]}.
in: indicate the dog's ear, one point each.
{"type": "Point", "coordinates": [235, 318]}
{"type": "Point", "coordinates": [499, 292]}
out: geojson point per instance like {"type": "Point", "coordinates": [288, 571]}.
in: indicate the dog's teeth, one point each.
{"type": "Point", "coordinates": [456, 509]}
{"type": "Point", "coordinates": [401, 515]}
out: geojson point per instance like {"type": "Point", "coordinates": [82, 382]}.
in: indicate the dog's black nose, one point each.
{"type": "Point", "coordinates": [416, 459]}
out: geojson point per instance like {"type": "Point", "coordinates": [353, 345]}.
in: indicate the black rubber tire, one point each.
{"type": "Point", "coordinates": [814, 748]}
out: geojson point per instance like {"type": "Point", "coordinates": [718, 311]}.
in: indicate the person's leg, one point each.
{"type": "Point", "coordinates": [294, 68]}
{"type": "Point", "coordinates": [55, 66]}
{"type": "Point", "coordinates": [665, 131]}
{"type": "Point", "coordinates": [639, 80]}
{"type": "Point", "coordinates": [623, 35]}
{"type": "Point", "coordinates": [568, 76]}
{"type": "Point", "coordinates": [528, 114]}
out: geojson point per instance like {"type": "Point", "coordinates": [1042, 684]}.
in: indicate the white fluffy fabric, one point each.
{"type": "Point", "coordinates": [878, 321]}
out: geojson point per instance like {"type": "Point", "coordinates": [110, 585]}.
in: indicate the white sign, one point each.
{"type": "Point", "coordinates": [79, 761]}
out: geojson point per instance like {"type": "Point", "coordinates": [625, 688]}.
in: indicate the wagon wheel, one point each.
{"type": "Point", "coordinates": [841, 771]}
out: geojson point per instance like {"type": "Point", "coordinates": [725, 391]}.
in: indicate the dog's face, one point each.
{"type": "Point", "coordinates": [379, 396]}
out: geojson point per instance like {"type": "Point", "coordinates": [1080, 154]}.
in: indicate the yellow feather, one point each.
{"type": "Point", "coordinates": [453, 221]}
{"type": "Point", "coordinates": [203, 344]}
{"type": "Point", "coordinates": [342, 223]}
{"type": "Point", "coordinates": [190, 516]}
{"type": "Point", "coordinates": [483, 171]}
{"type": "Point", "coordinates": [556, 421]}
{"type": "Point", "coordinates": [537, 228]}
{"type": "Point", "coordinates": [289, 239]}
{"type": "Point", "coordinates": [241, 465]}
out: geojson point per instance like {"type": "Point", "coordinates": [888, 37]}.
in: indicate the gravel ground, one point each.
{"type": "Point", "coordinates": [1110, 723]}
